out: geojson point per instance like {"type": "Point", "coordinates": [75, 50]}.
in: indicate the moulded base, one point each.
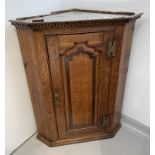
{"type": "Point", "coordinates": [83, 138]}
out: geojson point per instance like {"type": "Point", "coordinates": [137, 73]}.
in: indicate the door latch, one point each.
{"type": "Point", "coordinates": [112, 49]}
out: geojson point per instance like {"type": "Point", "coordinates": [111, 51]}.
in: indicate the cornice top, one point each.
{"type": "Point", "coordinates": [75, 18]}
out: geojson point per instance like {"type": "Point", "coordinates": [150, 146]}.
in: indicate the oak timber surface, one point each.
{"type": "Point", "coordinates": [76, 62]}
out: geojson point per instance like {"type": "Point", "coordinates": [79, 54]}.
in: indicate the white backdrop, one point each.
{"type": "Point", "coordinates": [20, 122]}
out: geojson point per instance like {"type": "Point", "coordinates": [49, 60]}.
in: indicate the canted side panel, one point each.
{"type": "Point", "coordinates": [38, 82]}
{"type": "Point", "coordinates": [29, 65]}
{"type": "Point", "coordinates": [123, 68]}
{"type": "Point", "coordinates": [45, 86]}
{"type": "Point", "coordinates": [115, 63]}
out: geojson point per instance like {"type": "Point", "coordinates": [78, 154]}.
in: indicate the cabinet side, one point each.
{"type": "Point", "coordinates": [123, 69]}
{"type": "Point", "coordinates": [37, 73]}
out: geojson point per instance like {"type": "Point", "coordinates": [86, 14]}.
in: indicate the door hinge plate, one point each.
{"type": "Point", "coordinates": [112, 49]}
{"type": "Point", "coordinates": [106, 121]}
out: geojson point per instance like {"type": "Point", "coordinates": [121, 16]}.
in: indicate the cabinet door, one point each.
{"type": "Point", "coordinates": [80, 79]}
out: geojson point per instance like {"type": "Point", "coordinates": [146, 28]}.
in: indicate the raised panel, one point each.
{"type": "Point", "coordinates": [79, 68]}
{"type": "Point", "coordinates": [80, 74]}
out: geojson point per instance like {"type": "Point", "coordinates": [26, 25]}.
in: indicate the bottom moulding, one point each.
{"type": "Point", "coordinates": [83, 138]}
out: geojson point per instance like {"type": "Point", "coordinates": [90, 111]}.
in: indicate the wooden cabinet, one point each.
{"type": "Point", "coordinates": [76, 63]}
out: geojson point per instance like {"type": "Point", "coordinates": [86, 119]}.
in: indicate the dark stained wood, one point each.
{"type": "Point", "coordinates": [76, 72]}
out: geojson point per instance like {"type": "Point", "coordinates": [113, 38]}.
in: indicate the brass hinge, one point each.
{"type": "Point", "coordinates": [112, 49]}
{"type": "Point", "coordinates": [105, 121]}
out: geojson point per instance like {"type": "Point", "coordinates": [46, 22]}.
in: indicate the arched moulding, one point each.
{"type": "Point", "coordinates": [83, 45]}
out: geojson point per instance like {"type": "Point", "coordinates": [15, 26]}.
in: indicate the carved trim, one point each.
{"type": "Point", "coordinates": [19, 22]}
{"type": "Point", "coordinates": [95, 48]}
{"type": "Point", "coordinates": [36, 26]}
{"type": "Point", "coordinates": [81, 50]}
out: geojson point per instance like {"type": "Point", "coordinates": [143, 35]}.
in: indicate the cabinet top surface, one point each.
{"type": "Point", "coordinates": [76, 15]}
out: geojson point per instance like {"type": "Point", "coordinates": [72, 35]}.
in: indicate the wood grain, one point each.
{"type": "Point", "coordinates": [39, 83]}
{"type": "Point", "coordinates": [125, 50]}
{"type": "Point", "coordinates": [81, 88]}
{"type": "Point", "coordinates": [76, 87]}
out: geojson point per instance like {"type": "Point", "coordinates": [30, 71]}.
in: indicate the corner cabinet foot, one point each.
{"type": "Point", "coordinates": [83, 138]}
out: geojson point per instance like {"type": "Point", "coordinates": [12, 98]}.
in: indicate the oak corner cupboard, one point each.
{"type": "Point", "coordinates": [76, 63]}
